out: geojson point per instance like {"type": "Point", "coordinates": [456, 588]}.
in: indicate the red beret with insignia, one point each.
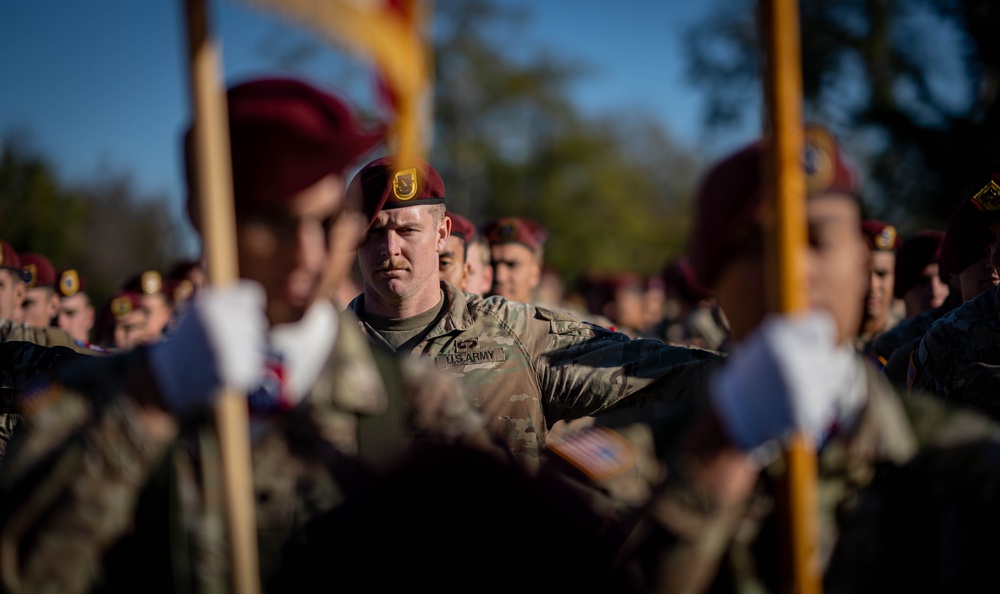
{"type": "Point", "coordinates": [37, 270]}
{"type": "Point", "coordinates": [70, 282]}
{"type": "Point", "coordinates": [124, 302]}
{"type": "Point", "coordinates": [9, 258]}
{"type": "Point", "coordinates": [285, 135]}
{"type": "Point", "coordinates": [147, 282]}
{"type": "Point", "coordinates": [729, 203]}
{"type": "Point", "coordinates": [966, 239]}
{"type": "Point", "coordinates": [986, 200]}
{"type": "Point", "coordinates": [913, 256]}
{"type": "Point", "coordinates": [520, 230]}
{"type": "Point", "coordinates": [881, 236]}
{"type": "Point", "coordinates": [385, 184]}
{"type": "Point", "coordinates": [462, 227]}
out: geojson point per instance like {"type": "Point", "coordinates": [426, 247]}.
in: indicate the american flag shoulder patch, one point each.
{"type": "Point", "coordinates": [597, 452]}
{"type": "Point", "coordinates": [911, 371]}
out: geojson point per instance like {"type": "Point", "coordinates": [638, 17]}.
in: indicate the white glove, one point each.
{"type": "Point", "coordinates": [220, 341]}
{"type": "Point", "coordinates": [788, 376]}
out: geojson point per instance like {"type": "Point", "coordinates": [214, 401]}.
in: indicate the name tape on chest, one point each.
{"type": "Point", "coordinates": [494, 355]}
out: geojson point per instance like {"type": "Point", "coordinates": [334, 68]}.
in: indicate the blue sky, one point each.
{"type": "Point", "coordinates": [102, 83]}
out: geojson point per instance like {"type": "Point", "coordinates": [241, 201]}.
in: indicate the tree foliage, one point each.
{"type": "Point", "coordinates": [910, 86]}
{"type": "Point", "coordinates": [102, 226]}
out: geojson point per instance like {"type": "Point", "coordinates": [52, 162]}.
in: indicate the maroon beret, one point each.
{"type": "Point", "coordinates": [880, 236]}
{"type": "Point", "coordinates": [285, 135]}
{"type": "Point", "coordinates": [37, 270]}
{"type": "Point", "coordinates": [384, 184]}
{"type": "Point", "coordinates": [913, 256]}
{"type": "Point", "coordinates": [966, 239]}
{"type": "Point", "coordinates": [729, 202]}
{"type": "Point", "coordinates": [124, 302]}
{"type": "Point", "coordinates": [521, 230]}
{"type": "Point", "coordinates": [9, 258]}
{"type": "Point", "coordinates": [70, 282]}
{"type": "Point", "coordinates": [986, 200]}
{"type": "Point", "coordinates": [462, 227]}
{"type": "Point", "coordinates": [678, 277]}
{"type": "Point", "coordinates": [147, 282]}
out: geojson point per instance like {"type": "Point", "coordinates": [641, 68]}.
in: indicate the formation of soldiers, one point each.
{"type": "Point", "coordinates": [447, 419]}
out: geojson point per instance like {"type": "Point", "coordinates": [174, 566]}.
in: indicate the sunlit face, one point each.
{"type": "Point", "coordinates": [286, 249]}
{"type": "Point", "coordinates": [451, 262]}
{"type": "Point", "coordinates": [928, 292]}
{"type": "Point", "coordinates": [12, 290]}
{"type": "Point", "coordinates": [132, 329]}
{"type": "Point", "coordinates": [878, 299]}
{"type": "Point", "coordinates": [76, 316]}
{"type": "Point", "coordinates": [516, 271]}
{"type": "Point", "coordinates": [836, 271]}
{"type": "Point", "coordinates": [480, 278]}
{"type": "Point", "coordinates": [40, 305]}
{"type": "Point", "coordinates": [399, 258]}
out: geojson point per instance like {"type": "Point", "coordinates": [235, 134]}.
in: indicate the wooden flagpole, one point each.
{"type": "Point", "coordinates": [785, 245]}
{"type": "Point", "coordinates": [215, 198]}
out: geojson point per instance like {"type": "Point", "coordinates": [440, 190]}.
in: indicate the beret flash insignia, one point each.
{"type": "Point", "coordinates": [404, 184]}
{"type": "Point", "coordinates": [818, 158]}
{"type": "Point", "coordinates": [988, 198]}
{"type": "Point", "coordinates": [30, 275]}
{"type": "Point", "coordinates": [886, 239]}
{"type": "Point", "coordinates": [69, 283]}
{"type": "Point", "coordinates": [151, 282]}
{"type": "Point", "coordinates": [121, 306]}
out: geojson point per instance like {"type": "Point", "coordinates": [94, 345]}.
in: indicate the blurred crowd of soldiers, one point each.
{"type": "Point", "coordinates": [431, 407]}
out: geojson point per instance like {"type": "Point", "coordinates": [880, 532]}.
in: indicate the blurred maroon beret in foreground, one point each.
{"type": "Point", "coordinates": [37, 270]}
{"type": "Point", "coordinates": [385, 184]}
{"type": "Point", "coordinates": [285, 135]}
{"type": "Point", "coordinates": [913, 256]}
{"type": "Point", "coordinates": [730, 202]}
{"type": "Point", "coordinates": [462, 227]}
{"type": "Point", "coordinates": [521, 230]}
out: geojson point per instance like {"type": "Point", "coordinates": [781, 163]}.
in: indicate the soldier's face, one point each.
{"type": "Point", "coordinates": [40, 305]}
{"type": "Point", "coordinates": [12, 291]}
{"type": "Point", "coordinates": [480, 278]}
{"type": "Point", "coordinates": [928, 292]}
{"type": "Point", "coordinates": [131, 330]}
{"type": "Point", "coordinates": [76, 316]}
{"type": "Point", "coordinates": [979, 276]}
{"type": "Point", "coordinates": [516, 271]}
{"type": "Point", "coordinates": [836, 270]}
{"type": "Point", "coordinates": [452, 264]}
{"type": "Point", "coordinates": [837, 262]}
{"type": "Point", "coordinates": [879, 297]}
{"type": "Point", "coordinates": [286, 249]}
{"type": "Point", "coordinates": [399, 259]}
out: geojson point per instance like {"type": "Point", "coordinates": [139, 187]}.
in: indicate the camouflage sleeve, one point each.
{"type": "Point", "coordinates": [584, 369]}
{"type": "Point", "coordinates": [70, 487]}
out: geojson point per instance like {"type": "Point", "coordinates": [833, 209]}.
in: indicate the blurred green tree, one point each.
{"type": "Point", "coordinates": [910, 87]}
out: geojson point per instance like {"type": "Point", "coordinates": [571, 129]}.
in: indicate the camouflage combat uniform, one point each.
{"type": "Point", "coordinates": [959, 356]}
{"type": "Point", "coordinates": [22, 362]}
{"type": "Point", "coordinates": [93, 501]}
{"type": "Point", "coordinates": [887, 490]}
{"type": "Point", "coordinates": [527, 367]}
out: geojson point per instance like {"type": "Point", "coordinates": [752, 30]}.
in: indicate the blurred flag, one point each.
{"type": "Point", "coordinates": [390, 33]}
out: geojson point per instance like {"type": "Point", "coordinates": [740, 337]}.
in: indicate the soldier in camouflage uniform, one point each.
{"type": "Point", "coordinates": [893, 473]}
{"type": "Point", "coordinates": [965, 262]}
{"type": "Point", "coordinates": [116, 485]}
{"type": "Point", "coordinates": [958, 357]}
{"type": "Point", "coordinates": [526, 367]}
